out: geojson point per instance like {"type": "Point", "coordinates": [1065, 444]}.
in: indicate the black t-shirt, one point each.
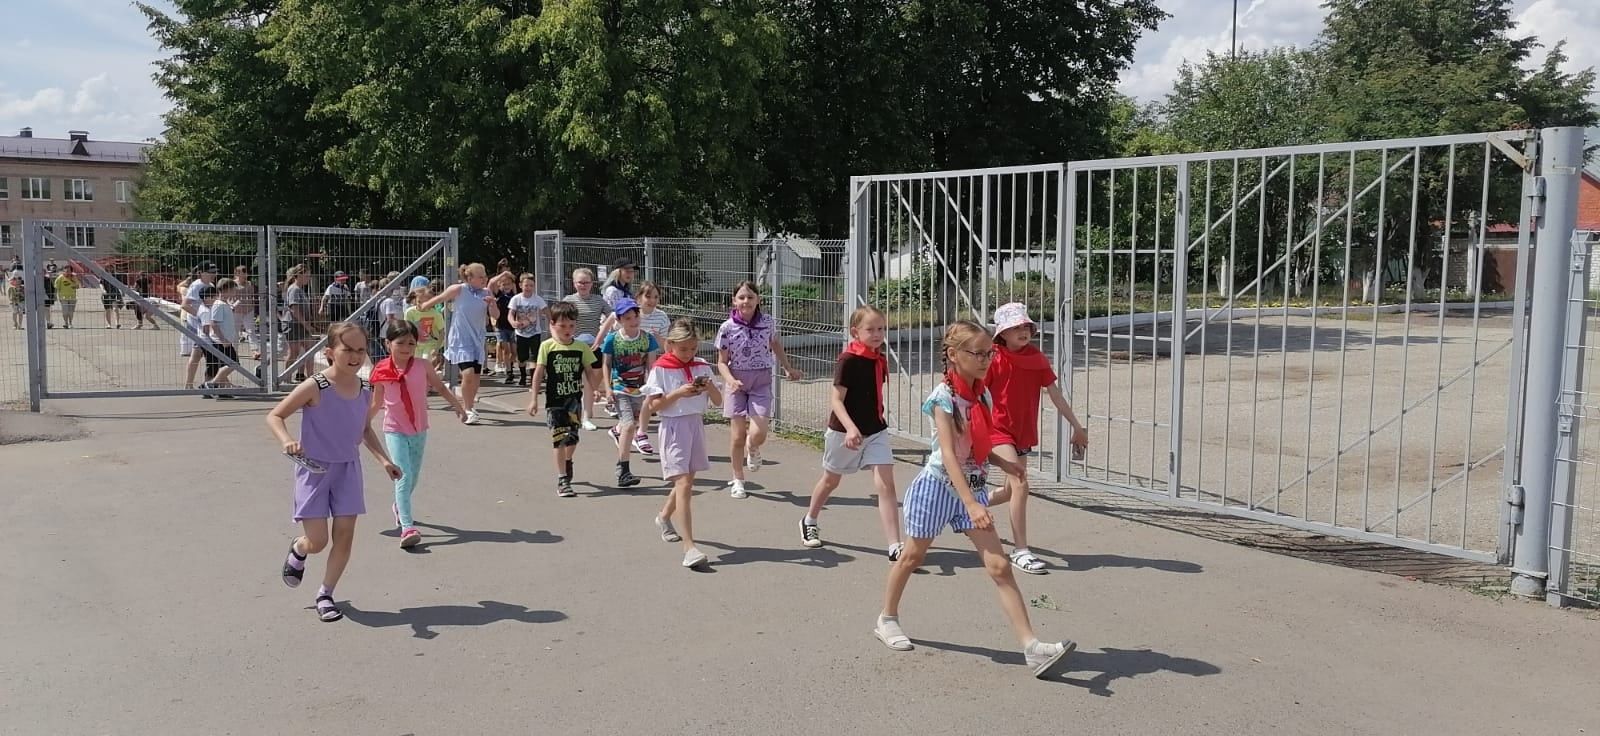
{"type": "Point", "coordinates": [503, 300]}
{"type": "Point", "coordinates": [859, 377]}
{"type": "Point", "coordinates": [142, 285]}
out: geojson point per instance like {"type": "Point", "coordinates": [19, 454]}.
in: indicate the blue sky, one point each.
{"type": "Point", "coordinates": [87, 64]}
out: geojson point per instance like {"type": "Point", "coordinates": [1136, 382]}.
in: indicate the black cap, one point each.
{"type": "Point", "coordinates": [623, 262]}
{"type": "Point", "coordinates": [207, 267]}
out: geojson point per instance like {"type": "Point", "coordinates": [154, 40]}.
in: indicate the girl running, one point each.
{"type": "Point", "coordinates": [430, 326]}
{"type": "Point", "coordinates": [652, 318]}
{"type": "Point", "coordinates": [1017, 375]}
{"type": "Point", "coordinates": [858, 434]}
{"type": "Point", "coordinates": [948, 491]}
{"type": "Point", "coordinates": [680, 387]}
{"type": "Point", "coordinates": [473, 306]}
{"type": "Point", "coordinates": [594, 316]}
{"type": "Point", "coordinates": [747, 349]}
{"type": "Point", "coordinates": [334, 424]}
{"type": "Point", "coordinates": [400, 385]}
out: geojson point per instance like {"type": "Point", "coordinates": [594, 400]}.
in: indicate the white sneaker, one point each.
{"type": "Point", "coordinates": [1047, 658]}
{"type": "Point", "coordinates": [589, 426]}
{"type": "Point", "coordinates": [752, 459]}
{"type": "Point", "coordinates": [888, 631]}
{"type": "Point", "coordinates": [472, 417]}
{"type": "Point", "coordinates": [694, 558]}
{"type": "Point", "coordinates": [736, 489]}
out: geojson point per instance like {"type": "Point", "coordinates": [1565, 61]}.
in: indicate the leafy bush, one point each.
{"type": "Point", "coordinates": [801, 290]}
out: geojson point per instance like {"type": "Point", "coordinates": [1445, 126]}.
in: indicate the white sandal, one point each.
{"type": "Point", "coordinates": [889, 632]}
{"type": "Point", "coordinates": [1028, 562]}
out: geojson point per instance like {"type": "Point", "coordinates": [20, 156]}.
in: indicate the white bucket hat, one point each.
{"type": "Point", "coordinates": [1012, 315]}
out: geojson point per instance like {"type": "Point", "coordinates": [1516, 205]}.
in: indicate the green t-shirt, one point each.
{"type": "Point", "coordinates": [628, 359]}
{"type": "Point", "coordinates": [563, 369]}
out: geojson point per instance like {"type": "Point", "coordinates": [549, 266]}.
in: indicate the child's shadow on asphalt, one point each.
{"type": "Point", "coordinates": [1109, 664]}
{"type": "Point", "coordinates": [819, 557]}
{"type": "Point", "coordinates": [799, 501]}
{"type": "Point", "coordinates": [450, 535]}
{"type": "Point", "coordinates": [424, 619]}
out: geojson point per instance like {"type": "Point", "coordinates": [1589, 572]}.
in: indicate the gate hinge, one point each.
{"type": "Point", "coordinates": [1515, 496]}
{"type": "Point", "coordinates": [1535, 192]}
{"type": "Point", "coordinates": [1564, 423]}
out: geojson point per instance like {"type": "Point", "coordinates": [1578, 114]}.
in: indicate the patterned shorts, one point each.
{"type": "Point", "coordinates": [564, 417]}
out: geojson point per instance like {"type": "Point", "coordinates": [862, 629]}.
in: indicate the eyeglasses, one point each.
{"type": "Point", "coordinates": [979, 354]}
{"type": "Point", "coordinates": [583, 283]}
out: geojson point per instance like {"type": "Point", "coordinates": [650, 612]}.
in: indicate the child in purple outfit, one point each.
{"type": "Point", "coordinates": [748, 348]}
{"type": "Point", "coordinates": [334, 423]}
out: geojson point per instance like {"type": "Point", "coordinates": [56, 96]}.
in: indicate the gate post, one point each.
{"type": "Point", "coordinates": [1180, 326]}
{"type": "Point", "coordinates": [775, 270]}
{"type": "Point", "coordinates": [1560, 161]}
{"type": "Point", "coordinates": [32, 303]}
{"type": "Point", "coordinates": [860, 243]}
{"type": "Point", "coordinates": [271, 315]}
{"type": "Point", "coordinates": [649, 259]}
{"type": "Point", "coordinates": [1066, 310]}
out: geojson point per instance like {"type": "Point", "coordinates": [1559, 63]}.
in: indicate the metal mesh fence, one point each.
{"type": "Point", "coordinates": [120, 324]}
{"type": "Point", "coordinates": [323, 275]}
{"type": "Point", "coordinates": [1575, 533]}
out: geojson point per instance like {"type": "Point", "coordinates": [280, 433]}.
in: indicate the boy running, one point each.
{"type": "Point", "coordinates": [565, 371]}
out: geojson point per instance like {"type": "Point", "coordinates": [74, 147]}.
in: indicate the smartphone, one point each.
{"type": "Point", "coordinates": [701, 381]}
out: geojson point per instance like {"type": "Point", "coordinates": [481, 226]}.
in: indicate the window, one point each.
{"type": "Point", "coordinates": [5, 236]}
{"type": "Point", "coordinates": [49, 243]}
{"type": "Point", "coordinates": [4, 192]}
{"type": "Point", "coordinates": [124, 191]}
{"type": "Point", "coordinates": [80, 237]}
{"type": "Point", "coordinates": [34, 187]}
{"type": "Point", "coordinates": [77, 190]}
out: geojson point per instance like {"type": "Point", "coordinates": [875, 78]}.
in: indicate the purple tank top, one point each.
{"type": "Point", "coordinates": [331, 429]}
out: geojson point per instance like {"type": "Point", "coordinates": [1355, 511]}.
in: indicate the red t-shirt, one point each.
{"type": "Point", "coordinates": [1015, 381]}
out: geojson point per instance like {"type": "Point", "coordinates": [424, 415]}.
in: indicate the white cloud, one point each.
{"type": "Point", "coordinates": [98, 105]}
{"type": "Point", "coordinates": [1575, 21]}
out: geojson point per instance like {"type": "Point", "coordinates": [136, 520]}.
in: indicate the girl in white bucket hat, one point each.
{"type": "Point", "coordinates": [1019, 373]}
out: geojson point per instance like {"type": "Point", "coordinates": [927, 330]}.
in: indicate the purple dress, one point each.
{"type": "Point", "coordinates": [330, 433]}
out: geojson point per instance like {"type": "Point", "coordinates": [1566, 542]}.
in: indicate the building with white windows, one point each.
{"type": "Point", "coordinates": [72, 178]}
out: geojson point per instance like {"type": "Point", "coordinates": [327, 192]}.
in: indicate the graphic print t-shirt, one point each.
{"type": "Point", "coordinates": [563, 367]}
{"type": "Point", "coordinates": [627, 360]}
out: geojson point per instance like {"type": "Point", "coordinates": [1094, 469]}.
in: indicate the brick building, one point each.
{"type": "Point", "coordinates": [72, 178]}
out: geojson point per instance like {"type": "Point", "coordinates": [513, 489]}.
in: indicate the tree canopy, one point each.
{"type": "Point", "coordinates": [613, 117]}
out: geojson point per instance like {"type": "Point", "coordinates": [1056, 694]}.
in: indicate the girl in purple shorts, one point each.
{"type": "Point", "coordinates": [679, 389]}
{"type": "Point", "coordinates": [334, 423]}
{"type": "Point", "coordinates": [748, 349]}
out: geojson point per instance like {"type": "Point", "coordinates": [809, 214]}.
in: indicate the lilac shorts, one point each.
{"type": "Point", "coordinates": [683, 446]}
{"type": "Point", "coordinates": [337, 492]}
{"type": "Point", "coordinates": [755, 399]}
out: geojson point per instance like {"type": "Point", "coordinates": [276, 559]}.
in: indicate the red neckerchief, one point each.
{"type": "Point", "coordinates": [979, 422]}
{"type": "Point", "coordinates": [671, 361]}
{"type": "Point", "coordinates": [386, 372]}
{"type": "Point", "coordinates": [880, 363]}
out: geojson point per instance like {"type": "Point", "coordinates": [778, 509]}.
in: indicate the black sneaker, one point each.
{"type": "Point", "coordinates": [810, 535]}
{"type": "Point", "coordinates": [626, 479]}
{"type": "Point", "coordinates": [564, 487]}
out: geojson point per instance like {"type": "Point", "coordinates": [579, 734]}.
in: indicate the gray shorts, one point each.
{"type": "Point", "coordinates": [836, 458]}
{"type": "Point", "coordinates": [629, 407]}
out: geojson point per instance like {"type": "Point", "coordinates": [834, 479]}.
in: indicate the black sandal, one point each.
{"type": "Point", "coordinates": [329, 612]}
{"type": "Point", "coordinates": [291, 576]}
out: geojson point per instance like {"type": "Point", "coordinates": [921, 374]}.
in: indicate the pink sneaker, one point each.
{"type": "Point", "coordinates": [641, 442]}
{"type": "Point", "coordinates": [410, 537]}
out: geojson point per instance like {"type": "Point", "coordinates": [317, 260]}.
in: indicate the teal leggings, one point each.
{"type": "Point", "coordinates": [406, 449]}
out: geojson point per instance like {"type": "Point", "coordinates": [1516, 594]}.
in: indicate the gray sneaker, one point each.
{"type": "Point", "coordinates": [1048, 658]}
{"type": "Point", "coordinates": [668, 534]}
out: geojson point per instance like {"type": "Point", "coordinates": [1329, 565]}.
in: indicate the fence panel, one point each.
{"type": "Point", "coordinates": [116, 325]}
{"type": "Point", "coordinates": [13, 335]}
{"type": "Point", "coordinates": [931, 249]}
{"type": "Point", "coordinates": [321, 275]}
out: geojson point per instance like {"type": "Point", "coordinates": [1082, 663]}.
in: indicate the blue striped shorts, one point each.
{"type": "Point", "coordinates": [931, 503]}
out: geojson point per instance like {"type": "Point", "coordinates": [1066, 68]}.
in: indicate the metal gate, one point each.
{"type": "Point", "coordinates": [1328, 337]}
{"type": "Point", "coordinates": [325, 263]}
{"type": "Point", "coordinates": [117, 326]}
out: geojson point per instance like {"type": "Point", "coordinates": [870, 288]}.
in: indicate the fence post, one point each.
{"type": "Point", "coordinates": [775, 270]}
{"type": "Point", "coordinates": [649, 259]}
{"type": "Point", "coordinates": [1569, 422]}
{"type": "Point", "coordinates": [859, 248]}
{"type": "Point", "coordinates": [268, 307]}
{"type": "Point", "coordinates": [1560, 161]}
{"type": "Point", "coordinates": [32, 303]}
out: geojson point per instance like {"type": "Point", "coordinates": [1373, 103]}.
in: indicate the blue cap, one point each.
{"type": "Point", "coordinates": [625, 305]}
{"type": "Point", "coordinates": [418, 282]}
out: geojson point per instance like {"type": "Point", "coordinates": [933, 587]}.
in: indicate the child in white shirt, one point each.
{"type": "Point", "coordinates": [680, 388]}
